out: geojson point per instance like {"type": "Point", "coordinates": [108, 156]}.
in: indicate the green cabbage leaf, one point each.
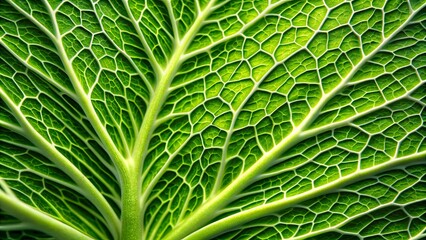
{"type": "Point", "coordinates": [211, 119]}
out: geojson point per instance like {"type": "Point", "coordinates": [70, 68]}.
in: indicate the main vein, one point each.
{"type": "Point", "coordinates": [165, 77]}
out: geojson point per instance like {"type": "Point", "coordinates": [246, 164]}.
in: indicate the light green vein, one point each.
{"type": "Point", "coordinates": [87, 188]}
{"type": "Point", "coordinates": [37, 219]}
{"type": "Point", "coordinates": [318, 130]}
{"type": "Point", "coordinates": [152, 59]}
{"type": "Point", "coordinates": [263, 210]}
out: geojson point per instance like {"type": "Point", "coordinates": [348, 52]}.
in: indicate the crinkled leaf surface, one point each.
{"type": "Point", "coordinates": [197, 119]}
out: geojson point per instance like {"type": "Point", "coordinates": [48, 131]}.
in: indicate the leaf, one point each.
{"type": "Point", "coordinates": [197, 119]}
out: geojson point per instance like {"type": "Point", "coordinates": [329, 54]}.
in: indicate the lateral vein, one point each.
{"type": "Point", "coordinates": [88, 189]}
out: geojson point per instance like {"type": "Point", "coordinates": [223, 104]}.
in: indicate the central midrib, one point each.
{"type": "Point", "coordinates": [161, 90]}
{"type": "Point", "coordinates": [132, 179]}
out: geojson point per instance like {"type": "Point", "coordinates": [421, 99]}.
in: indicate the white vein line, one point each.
{"type": "Point", "coordinates": [87, 188]}
{"type": "Point", "coordinates": [153, 60]}
{"type": "Point", "coordinates": [38, 72]}
{"type": "Point", "coordinates": [38, 219]}
{"type": "Point", "coordinates": [266, 209]}
{"type": "Point", "coordinates": [315, 131]}
{"type": "Point", "coordinates": [245, 27]}
{"type": "Point", "coordinates": [83, 98]}
{"type": "Point", "coordinates": [121, 50]}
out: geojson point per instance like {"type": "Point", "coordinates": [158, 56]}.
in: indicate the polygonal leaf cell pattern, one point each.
{"type": "Point", "coordinates": [208, 119]}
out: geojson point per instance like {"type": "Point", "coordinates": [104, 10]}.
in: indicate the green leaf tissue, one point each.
{"type": "Point", "coordinates": [212, 119]}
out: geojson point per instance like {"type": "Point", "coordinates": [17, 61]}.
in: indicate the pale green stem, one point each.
{"type": "Point", "coordinates": [131, 220]}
